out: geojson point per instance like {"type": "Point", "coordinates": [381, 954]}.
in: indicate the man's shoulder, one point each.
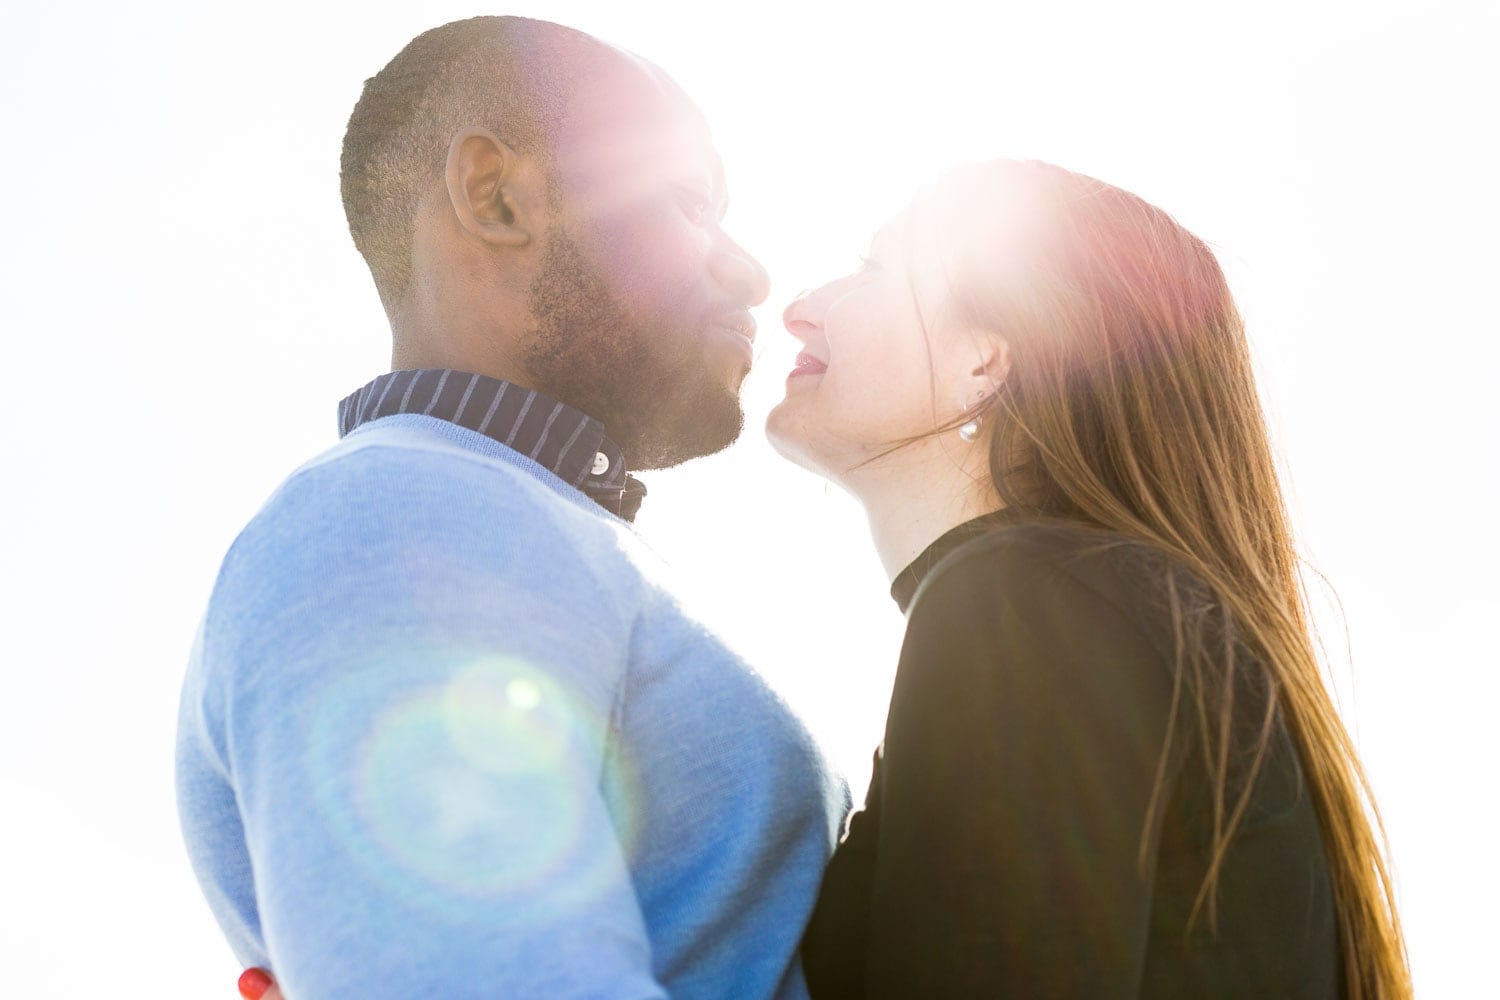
{"type": "Point", "coordinates": [397, 458]}
{"type": "Point", "coordinates": [409, 505]}
{"type": "Point", "coordinates": [396, 476]}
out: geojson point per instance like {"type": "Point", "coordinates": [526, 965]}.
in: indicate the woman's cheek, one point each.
{"type": "Point", "coordinates": [860, 410]}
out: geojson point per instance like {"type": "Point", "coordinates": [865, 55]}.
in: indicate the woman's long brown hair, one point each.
{"type": "Point", "coordinates": [1130, 405]}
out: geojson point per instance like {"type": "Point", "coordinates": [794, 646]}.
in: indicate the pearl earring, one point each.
{"type": "Point", "coordinates": [969, 431]}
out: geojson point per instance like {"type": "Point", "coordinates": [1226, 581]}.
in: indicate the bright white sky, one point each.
{"type": "Point", "coordinates": [183, 308]}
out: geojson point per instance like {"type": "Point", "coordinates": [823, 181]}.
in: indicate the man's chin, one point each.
{"type": "Point", "coordinates": [698, 431]}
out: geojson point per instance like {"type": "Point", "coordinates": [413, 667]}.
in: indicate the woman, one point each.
{"type": "Point", "coordinates": [1110, 767]}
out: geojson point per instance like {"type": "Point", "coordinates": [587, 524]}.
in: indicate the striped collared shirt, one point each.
{"type": "Point", "coordinates": [570, 443]}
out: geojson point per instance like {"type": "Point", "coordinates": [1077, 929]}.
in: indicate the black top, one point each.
{"type": "Point", "coordinates": [565, 441]}
{"type": "Point", "coordinates": [999, 852]}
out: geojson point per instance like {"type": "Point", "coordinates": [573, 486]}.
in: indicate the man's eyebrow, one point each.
{"type": "Point", "coordinates": [721, 190]}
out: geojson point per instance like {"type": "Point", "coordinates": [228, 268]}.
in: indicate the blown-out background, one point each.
{"type": "Point", "coordinates": [182, 308]}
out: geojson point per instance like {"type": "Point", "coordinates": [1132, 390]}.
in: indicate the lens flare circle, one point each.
{"type": "Point", "coordinates": [480, 789]}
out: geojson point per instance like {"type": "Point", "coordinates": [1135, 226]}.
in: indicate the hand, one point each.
{"type": "Point", "coordinates": [257, 984]}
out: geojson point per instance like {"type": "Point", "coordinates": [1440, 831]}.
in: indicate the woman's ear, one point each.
{"type": "Point", "coordinates": [490, 187]}
{"type": "Point", "coordinates": [991, 365]}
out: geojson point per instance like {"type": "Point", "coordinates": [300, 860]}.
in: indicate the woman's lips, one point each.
{"type": "Point", "coordinates": [808, 365]}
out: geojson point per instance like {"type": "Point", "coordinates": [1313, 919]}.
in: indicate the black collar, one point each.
{"type": "Point", "coordinates": [904, 587]}
{"type": "Point", "coordinates": [566, 441]}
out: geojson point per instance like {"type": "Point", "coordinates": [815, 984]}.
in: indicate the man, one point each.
{"type": "Point", "coordinates": [444, 732]}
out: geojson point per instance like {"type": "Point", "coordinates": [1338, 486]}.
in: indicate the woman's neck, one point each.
{"type": "Point", "coordinates": [911, 503]}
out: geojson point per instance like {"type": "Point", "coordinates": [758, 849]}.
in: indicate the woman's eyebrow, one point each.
{"type": "Point", "coordinates": [880, 241]}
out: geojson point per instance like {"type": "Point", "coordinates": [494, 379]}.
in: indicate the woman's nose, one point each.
{"type": "Point", "coordinates": [798, 316]}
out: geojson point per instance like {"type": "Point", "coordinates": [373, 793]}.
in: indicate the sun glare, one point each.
{"type": "Point", "coordinates": [186, 309]}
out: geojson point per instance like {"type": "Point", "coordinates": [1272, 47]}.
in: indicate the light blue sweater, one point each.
{"type": "Point", "coordinates": [447, 733]}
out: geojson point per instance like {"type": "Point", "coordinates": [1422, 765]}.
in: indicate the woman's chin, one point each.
{"type": "Point", "coordinates": [787, 433]}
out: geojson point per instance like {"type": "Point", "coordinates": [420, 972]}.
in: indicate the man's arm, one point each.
{"type": "Point", "coordinates": [412, 713]}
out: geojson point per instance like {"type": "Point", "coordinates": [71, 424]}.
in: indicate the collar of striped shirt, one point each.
{"type": "Point", "coordinates": [570, 443]}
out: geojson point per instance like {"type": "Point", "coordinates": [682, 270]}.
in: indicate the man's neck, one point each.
{"type": "Point", "coordinates": [427, 332]}
{"type": "Point", "coordinates": [409, 354]}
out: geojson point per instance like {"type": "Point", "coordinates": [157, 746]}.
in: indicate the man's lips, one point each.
{"type": "Point", "coordinates": [740, 323]}
{"type": "Point", "coordinates": [739, 328]}
{"type": "Point", "coordinates": [808, 365]}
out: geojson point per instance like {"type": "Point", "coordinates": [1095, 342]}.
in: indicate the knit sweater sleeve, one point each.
{"type": "Point", "coordinates": [400, 707]}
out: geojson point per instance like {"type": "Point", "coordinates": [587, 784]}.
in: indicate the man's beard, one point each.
{"type": "Point", "coordinates": [656, 395]}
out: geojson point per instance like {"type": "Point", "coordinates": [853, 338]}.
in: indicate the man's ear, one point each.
{"type": "Point", "coordinates": [491, 187]}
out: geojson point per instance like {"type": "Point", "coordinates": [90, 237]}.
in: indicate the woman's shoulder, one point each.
{"type": "Point", "coordinates": [1057, 585]}
{"type": "Point", "coordinates": [1067, 560]}
{"type": "Point", "coordinates": [1030, 630]}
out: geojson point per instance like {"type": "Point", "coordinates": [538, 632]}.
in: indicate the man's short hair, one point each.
{"type": "Point", "coordinates": [512, 75]}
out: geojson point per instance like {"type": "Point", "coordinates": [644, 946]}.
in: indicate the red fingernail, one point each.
{"type": "Point", "coordinates": [253, 984]}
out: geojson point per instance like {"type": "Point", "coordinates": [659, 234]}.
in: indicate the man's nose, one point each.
{"type": "Point", "coordinates": [736, 270]}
